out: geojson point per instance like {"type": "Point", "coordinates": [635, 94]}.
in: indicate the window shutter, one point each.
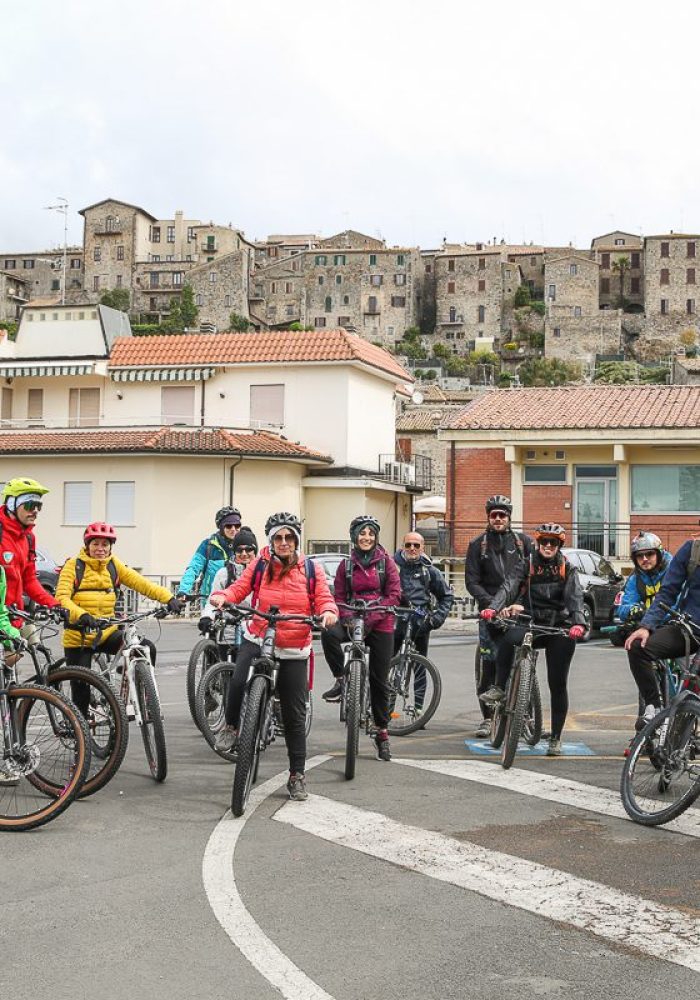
{"type": "Point", "coordinates": [119, 504]}
{"type": "Point", "coordinates": [177, 404]}
{"type": "Point", "coordinates": [267, 404]}
{"type": "Point", "coordinates": [35, 405]}
{"type": "Point", "coordinates": [77, 503]}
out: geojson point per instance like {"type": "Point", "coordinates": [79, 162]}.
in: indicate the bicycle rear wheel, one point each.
{"type": "Point", "coordinates": [415, 693]}
{"type": "Point", "coordinates": [52, 742]}
{"type": "Point", "coordinates": [353, 695]}
{"type": "Point", "coordinates": [106, 720]}
{"type": "Point", "coordinates": [210, 704]}
{"type": "Point", "coordinates": [661, 777]}
{"type": "Point", "coordinates": [249, 744]}
{"type": "Point", "coordinates": [152, 730]}
{"type": "Point", "coordinates": [517, 708]}
{"type": "Point", "coordinates": [204, 654]}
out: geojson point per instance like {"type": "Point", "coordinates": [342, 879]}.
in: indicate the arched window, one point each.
{"type": "Point", "coordinates": [329, 304]}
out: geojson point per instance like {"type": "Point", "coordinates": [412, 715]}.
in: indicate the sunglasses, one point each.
{"type": "Point", "coordinates": [32, 505]}
{"type": "Point", "coordinates": [644, 555]}
{"type": "Point", "coordinates": [285, 538]}
{"type": "Point", "coordinates": [412, 545]}
{"type": "Point", "coordinates": [500, 514]}
{"type": "Point", "coordinates": [550, 543]}
{"type": "Point", "coordinates": [232, 524]}
{"type": "Point", "coordinates": [244, 548]}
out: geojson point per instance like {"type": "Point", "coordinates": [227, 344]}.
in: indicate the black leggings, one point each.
{"type": "Point", "coordinates": [292, 688]}
{"type": "Point", "coordinates": [81, 656]}
{"type": "Point", "coordinates": [381, 647]}
{"type": "Point", "coordinates": [559, 652]}
{"type": "Point", "coordinates": [665, 643]}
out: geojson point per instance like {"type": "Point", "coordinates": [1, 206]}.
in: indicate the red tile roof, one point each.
{"type": "Point", "coordinates": [585, 407]}
{"type": "Point", "coordinates": [163, 440]}
{"type": "Point", "coordinates": [252, 348]}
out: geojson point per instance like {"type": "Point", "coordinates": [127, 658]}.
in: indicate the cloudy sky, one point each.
{"type": "Point", "coordinates": [546, 121]}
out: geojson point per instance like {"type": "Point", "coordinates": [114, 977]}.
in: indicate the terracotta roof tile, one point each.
{"type": "Point", "coordinates": [172, 440]}
{"type": "Point", "coordinates": [419, 420]}
{"type": "Point", "coordinates": [252, 348]}
{"type": "Point", "coordinates": [585, 407]}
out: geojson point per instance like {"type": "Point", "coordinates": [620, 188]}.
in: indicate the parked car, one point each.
{"type": "Point", "coordinates": [329, 562]}
{"type": "Point", "coordinates": [600, 584]}
{"type": "Point", "coordinates": [47, 571]}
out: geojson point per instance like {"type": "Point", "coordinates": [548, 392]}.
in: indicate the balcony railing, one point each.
{"type": "Point", "coordinates": [415, 474]}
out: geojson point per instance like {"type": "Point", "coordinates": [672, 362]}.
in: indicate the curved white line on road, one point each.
{"type": "Point", "coordinates": [218, 874]}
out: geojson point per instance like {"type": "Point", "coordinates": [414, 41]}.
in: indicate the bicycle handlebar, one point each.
{"type": "Point", "coordinates": [526, 622]}
{"type": "Point", "coordinates": [273, 616]}
{"type": "Point", "coordinates": [367, 607]}
{"type": "Point", "coordinates": [681, 617]}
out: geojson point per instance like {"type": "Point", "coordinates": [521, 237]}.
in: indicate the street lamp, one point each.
{"type": "Point", "coordinates": [63, 208]}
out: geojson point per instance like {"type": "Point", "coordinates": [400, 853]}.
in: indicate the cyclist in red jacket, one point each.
{"type": "Point", "coordinates": [22, 501]}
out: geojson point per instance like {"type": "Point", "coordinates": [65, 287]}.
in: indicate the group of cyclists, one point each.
{"type": "Point", "coordinates": [507, 573]}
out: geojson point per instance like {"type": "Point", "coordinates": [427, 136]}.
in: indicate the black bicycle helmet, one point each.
{"type": "Point", "coordinates": [647, 541]}
{"type": "Point", "coordinates": [282, 520]}
{"type": "Point", "coordinates": [225, 512]}
{"type": "Point", "coordinates": [499, 502]}
{"type": "Point", "coordinates": [363, 521]}
{"type": "Point", "coordinates": [550, 530]}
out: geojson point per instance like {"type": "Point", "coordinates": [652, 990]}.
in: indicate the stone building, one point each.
{"type": "Point", "coordinates": [350, 239]}
{"type": "Point", "coordinates": [278, 246]}
{"type": "Point", "coordinates": [621, 259]}
{"type": "Point", "coordinates": [115, 236]}
{"type": "Point", "coordinates": [42, 270]}
{"type": "Point", "coordinates": [212, 242]}
{"type": "Point", "coordinates": [221, 287]}
{"type": "Point", "coordinates": [276, 293]}
{"type": "Point", "coordinates": [686, 371]}
{"type": "Point", "coordinates": [575, 328]}
{"type": "Point", "coordinates": [14, 294]}
{"type": "Point", "coordinates": [154, 285]}
{"type": "Point", "coordinates": [671, 280]}
{"type": "Point", "coordinates": [530, 260]}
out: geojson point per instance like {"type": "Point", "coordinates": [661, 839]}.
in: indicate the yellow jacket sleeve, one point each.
{"type": "Point", "coordinates": [64, 590]}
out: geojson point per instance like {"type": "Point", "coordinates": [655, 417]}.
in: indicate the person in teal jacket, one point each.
{"type": "Point", "coordinates": [9, 632]}
{"type": "Point", "coordinates": [212, 553]}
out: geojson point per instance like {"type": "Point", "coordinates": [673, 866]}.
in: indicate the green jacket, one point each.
{"type": "Point", "coordinates": [6, 625]}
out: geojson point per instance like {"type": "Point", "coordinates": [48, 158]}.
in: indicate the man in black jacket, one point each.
{"type": "Point", "coordinates": [496, 560]}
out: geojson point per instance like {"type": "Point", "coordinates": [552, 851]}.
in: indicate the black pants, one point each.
{"type": "Point", "coordinates": [665, 643]}
{"type": "Point", "coordinates": [292, 688]}
{"type": "Point", "coordinates": [380, 645]}
{"type": "Point", "coordinates": [559, 652]}
{"type": "Point", "coordinates": [489, 640]}
{"type": "Point", "coordinates": [81, 656]}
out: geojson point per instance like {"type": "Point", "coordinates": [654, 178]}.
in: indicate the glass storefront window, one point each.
{"type": "Point", "coordinates": [665, 489]}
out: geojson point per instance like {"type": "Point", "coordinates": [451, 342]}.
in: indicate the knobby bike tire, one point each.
{"type": "Point", "coordinates": [683, 739]}
{"type": "Point", "coordinates": [214, 683]}
{"type": "Point", "coordinates": [522, 674]}
{"type": "Point", "coordinates": [249, 744]}
{"type": "Point", "coordinates": [204, 654]}
{"type": "Point", "coordinates": [22, 699]}
{"type": "Point", "coordinates": [419, 722]}
{"type": "Point", "coordinates": [352, 716]}
{"type": "Point", "coordinates": [152, 729]}
{"type": "Point", "coordinates": [104, 703]}
{"type": "Point", "coordinates": [532, 729]}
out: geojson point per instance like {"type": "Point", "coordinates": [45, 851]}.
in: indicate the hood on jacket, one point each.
{"type": "Point", "coordinates": [377, 553]}
{"type": "Point", "coordinates": [401, 560]}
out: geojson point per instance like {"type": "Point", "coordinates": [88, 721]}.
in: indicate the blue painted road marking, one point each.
{"type": "Point", "coordinates": [484, 749]}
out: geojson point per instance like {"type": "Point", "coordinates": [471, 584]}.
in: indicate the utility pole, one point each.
{"type": "Point", "coordinates": [63, 209]}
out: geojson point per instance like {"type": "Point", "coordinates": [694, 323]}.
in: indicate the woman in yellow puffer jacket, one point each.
{"type": "Point", "coordinates": [95, 596]}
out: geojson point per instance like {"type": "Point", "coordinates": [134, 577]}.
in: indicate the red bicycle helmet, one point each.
{"type": "Point", "coordinates": [99, 529]}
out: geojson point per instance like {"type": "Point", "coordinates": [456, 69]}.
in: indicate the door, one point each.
{"type": "Point", "coordinates": [596, 513]}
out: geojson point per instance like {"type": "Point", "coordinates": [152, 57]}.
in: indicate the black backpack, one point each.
{"type": "Point", "coordinates": [113, 575]}
{"type": "Point", "coordinates": [381, 573]}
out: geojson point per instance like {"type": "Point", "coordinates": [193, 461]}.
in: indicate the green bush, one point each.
{"type": "Point", "coordinates": [538, 307]}
{"type": "Point", "coordinates": [537, 339]}
{"type": "Point", "coordinates": [522, 296]}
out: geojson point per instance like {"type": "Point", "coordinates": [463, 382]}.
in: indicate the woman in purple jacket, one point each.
{"type": "Point", "coordinates": [369, 574]}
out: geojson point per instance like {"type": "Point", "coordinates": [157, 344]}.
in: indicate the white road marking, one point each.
{"type": "Point", "coordinates": [218, 874]}
{"type": "Point", "coordinates": [547, 787]}
{"type": "Point", "coordinates": [654, 929]}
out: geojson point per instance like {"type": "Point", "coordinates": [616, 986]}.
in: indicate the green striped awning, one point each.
{"type": "Point", "coordinates": [24, 371]}
{"type": "Point", "coordinates": [161, 374]}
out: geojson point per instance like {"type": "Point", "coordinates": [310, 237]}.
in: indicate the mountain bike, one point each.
{"type": "Point", "coordinates": [415, 682]}
{"type": "Point", "coordinates": [214, 679]}
{"type": "Point", "coordinates": [100, 706]}
{"type": "Point", "coordinates": [257, 729]}
{"type": "Point", "coordinates": [661, 777]}
{"type": "Point", "coordinates": [519, 715]}
{"type": "Point", "coordinates": [216, 647]}
{"type": "Point", "coordinates": [45, 750]}
{"type": "Point", "coordinates": [131, 673]}
{"type": "Point", "coordinates": [355, 703]}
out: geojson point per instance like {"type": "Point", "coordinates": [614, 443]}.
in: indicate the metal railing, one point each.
{"type": "Point", "coordinates": [415, 473]}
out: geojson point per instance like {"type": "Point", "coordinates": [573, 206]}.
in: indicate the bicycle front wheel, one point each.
{"type": "Point", "coordinates": [353, 712]}
{"type": "Point", "coordinates": [415, 692]}
{"type": "Point", "coordinates": [249, 744]}
{"type": "Point", "coordinates": [532, 724]}
{"type": "Point", "coordinates": [105, 715]}
{"type": "Point", "coordinates": [517, 709]}
{"type": "Point", "coordinates": [205, 654]}
{"type": "Point", "coordinates": [661, 776]}
{"type": "Point", "coordinates": [210, 704]}
{"type": "Point", "coordinates": [51, 757]}
{"type": "Point", "coordinates": [152, 730]}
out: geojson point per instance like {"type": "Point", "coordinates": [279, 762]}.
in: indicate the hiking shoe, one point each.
{"type": "Point", "coordinates": [381, 741]}
{"type": "Point", "coordinates": [554, 747]}
{"type": "Point", "coordinates": [483, 730]}
{"type": "Point", "coordinates": [650, 712]}
{"type": "Point", "coordinates": [296, 786]}
{"type": "Point", "coordinates": [492, 696]}
{"type": "Point", "coordinates": [226, 739]}
{"type": "Point", "coordinates": [334, 693]}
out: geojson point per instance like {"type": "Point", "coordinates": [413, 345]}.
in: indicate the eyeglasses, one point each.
{"type": "Point", "coordinates": [549, 543]}
{"type": "Point", "coordinates": [244, 548]}
{"type": "Point", "coordinates": [644, 555]}
{"type": "Point", "coordinates": [32, 505]}
{"type": "Point", "coordinates": [500, 514]}
{"type": "Point", "coordinates": [285, 538]}
{"type": "Point", "coordinates": [412, 545]}
{"type": "Point", "coordinates": [232, 524]}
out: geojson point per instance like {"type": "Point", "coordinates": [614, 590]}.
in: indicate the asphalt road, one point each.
{"type": "Point", "coordinates": [406, 882]}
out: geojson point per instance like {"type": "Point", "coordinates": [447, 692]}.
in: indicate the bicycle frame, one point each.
{"type": "Point", "coordinates": [133, 651]}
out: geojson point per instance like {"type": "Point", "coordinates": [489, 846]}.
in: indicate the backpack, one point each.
{"type": "Point", "coordinates": [694, 560]}
{"type": "Point", "coordinates": [381, 573]}
{"type": "Point", "coordinates": [111, 569]}
{"type": "Point", "coordinates": [517, 537]}
{"type": "Point", "coordinates": [562, 567]}
{"type": "Point", "coordinates": [309, 570]}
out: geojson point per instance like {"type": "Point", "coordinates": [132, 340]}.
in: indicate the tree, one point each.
{"type": "Point", "coordinates": [188, 308]}
{"type": "Point", "coordinates": [548, 371]}
{"type": "Point", "coordinates": [237, 323]}
{"type": "Point", "coordinates": [441, 351]}
{"type": "Point", "coordinates": [620, 265]}
{"type": "Point", "coordinates": [522, 296]}
{"type": "Point", "coordinates": [457, 366]}
{"type": "Point", "coordinates": [411, 333]}
{"type": "Point", "coordinates": [116, 298]}
{"type": "Point", "coordinates": [483, 358]}
{"type": "Point", "coordinates": [411, 349]}
{"type": "Point", "coordinates": [688, 338]}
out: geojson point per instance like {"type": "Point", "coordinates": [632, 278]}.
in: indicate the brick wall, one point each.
{"type": "Point", "coordinates": [479, 473]}
{"type": "Point", "coordinates": [672, 529]}
{"type": "Point", "coordinates": [546, 503]}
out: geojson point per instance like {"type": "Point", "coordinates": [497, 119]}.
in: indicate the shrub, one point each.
{"type": "Point", "coordinates": [538, 307]}
{"type": "Point", "coordinates": [522, 296]}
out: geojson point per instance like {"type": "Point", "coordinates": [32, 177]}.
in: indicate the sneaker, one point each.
{"type": "Point", "coordinates": [492, 696]}
{"type": "Point", "coordinates": [650, 712]}
{"type": "Point", "coordinates": [554, 747]}
{"type": "Point", "coordinates": [334, 693]}
{"type": "Point", "coordinates": [226, 739]}
{"type": "Point", "coordinates": [483, 730]}
{"type": "Point", "coordinates": [296, 786]}
{"type": "Point", "coordinates": [8, 780]}
{"type": "Point", "coordinates": [381, 741]}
